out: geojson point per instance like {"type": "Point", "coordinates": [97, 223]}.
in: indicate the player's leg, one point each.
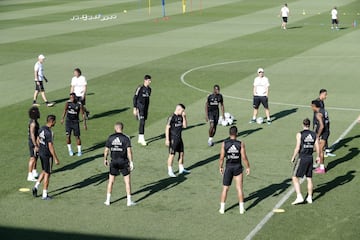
{"type": "Point", "coordinates": [127, 181]}
{"type": "Point", "coordinates": [265, 103]}
{"type": "Point", "coordinates": [180, 149]}
{"type": "Point", "coordinates": [309, 189]}
{"type": "Point", "coordinates": [78, 140]}
{"type": "Point", "coordinates": [109, 189]}
{"type": "Point", "coordinates": [36, 93]}
{"type": "Point", "coordinates": [298, 171]}
{"type": "Point", "coordinates": [227, 179]}
{"type": "Point", "coordinates": [169, 163]}
{"type": "Point", "coordinates": [321, 168]}
{"type": "Point", "coordinates": [240, 193]}
{"type": "Point", "coordinates": [142, 119]}
{"type": "Point", "coordinates": [47, 172]}
{"type": "Point", "coordinates": [256, 104]}
{"type": "Point", "coordinates": [68, 131]}
{"type": "Point", "coordinates": [31, 163]}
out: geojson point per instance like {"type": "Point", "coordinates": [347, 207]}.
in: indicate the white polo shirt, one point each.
{"type": "Point", "coordinates": [79, 84]}
{"type": "Point", "coordinates": [261, 85]}
{"type": "Point", "coordinates": [40, 71]}
{"type": "Point", "coordinates": [334, 14]}
{"type": "Point", "coordinates": [285, 11]}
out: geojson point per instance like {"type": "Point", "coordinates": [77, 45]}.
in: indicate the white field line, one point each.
{"type": "Point", "coordinates": [291, 191]}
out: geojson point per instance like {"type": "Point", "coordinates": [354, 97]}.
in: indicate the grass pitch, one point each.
{"type": "Point", "coordinates": [229, 40]}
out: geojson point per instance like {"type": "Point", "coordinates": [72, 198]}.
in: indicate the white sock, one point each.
{"type": "Point", "coordinates": [141, 137]}
{"type": "Point", "coordinates": [222, 205]}
{"type": "Point", "coordinates": [108, 195]}
{"type": "Point", "coordinates": [322, 166]}
{"type": "Point", "coordinates": [37, 185]}
{"type": "Point", "coordinates": [34, 171]}
{"type": "Point", "coordinates": [268, 118]}
{"type": "Point", "coordinates": [309, 196]}
{"type": "Point", "coordinates": [254, 118]}
{"type": "Point", "coordinates": [44, 195]}
{"type": "Point", "coordinates": [69, 147]}
{"type": "Point", "coordinates": [128, 199]}
{"type": "Point", "coordinates": [79, 148]}
{"type": "Point", "coordinates": [170, 170]}
{"type": "Point", "coordinates": [30, 175]}
{"type": "Point", "coordinates": [181, 167]}
{"type": "Point", "coordinates": [210, 139]}
{"type": "Point", "coordinates": [241, 205]}
{"type": "Point", "coordinates": [299, 195]}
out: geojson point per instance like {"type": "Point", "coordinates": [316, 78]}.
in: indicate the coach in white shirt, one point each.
{"type": "Point", "coordinates": [79, 87]}
{"type": "Point", "coordinates": [284, 13]}
{"type": "Point", "coordinates": [39, 78]}
{"type": "Point", "coordinates": [261, 92]}
{"type": "Point", "coordinates": [334, 19]}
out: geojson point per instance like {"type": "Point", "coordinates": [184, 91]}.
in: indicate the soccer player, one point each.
{"type": "Point", "coordinates": [47, 155]}
{"type": "Point", "coordinates": [212, 111]}
{"type": "Point", "coordinates": [79, 87]}
{"type": "Point", "coordinates": [261, 92]}
{"type": "Point", "coordinates": [306, 141]}
{"type": "Point", "coordinates": [39, 81]}
{"type": "Point", "coordinates": [234, 151]}
{"type": "Point", "coordinates": [284, 13]}
{"type": "Point", "coordinates": [119, 147]}
{"type": "Point", "coordinates": [72, 110]}
{"type": "Point", "coordinates": [141, 103]}
{"type": "Point", "coordinates": [175, 124]}
{"type": "Point", "coordinates": [33, 133]}
{"type": "Point", "coordinates": [322, 129]}
{"type": "Point", "coordinates": [334, 19]}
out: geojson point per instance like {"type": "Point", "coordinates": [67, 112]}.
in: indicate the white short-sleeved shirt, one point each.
{"type": "Point", "coordinates": [261, 85]}
{"type": "Point", "coordinates": [40, 70]}
{"type": "Point", "coordinates": [79, 84]}
{"type": "Point", "coordinates": [285, 11]}
{"type": "Point", "coordinates": [334, 14]}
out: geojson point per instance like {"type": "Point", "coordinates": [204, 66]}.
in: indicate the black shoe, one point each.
{"type": "Point", "coordinates": [46, 198]}
{"type": "Point", "coordinates": [87, 115]}
{"type": "Point", "coordinates": [34, 192]}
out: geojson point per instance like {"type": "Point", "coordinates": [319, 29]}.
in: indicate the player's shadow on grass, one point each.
{"type": "Point", "coordinates": [353, 152]}
{"type": "Point", "coordinates": [244, 133]}
{"type": "Point", "coordinates": [57, 101]}
{"type": "Point", "coordinates": [109, 113]}
{"type": "Point", "coordinates": [78, 163]}
{"type": "Point", "coordinates": [273, 190]}
{"type": "Point", "coordinates": [322, 189]}
{"type": "Point", "coordinates": [204, 162]}
{"type": "Point", "coordinates": [162, 136]}
{"type": "Point", "coordinates": [343, 143]}
{"type": "Point", "coordinates": [95, 147]}
{"type": "Point", "coordinates": [155, 187]}
{"type": "Point", "coordinates": [95, 179]}
{"type": "Point", "coordinates": [283, 113]}
{"type": "Point", "coordinates": [294, 27]}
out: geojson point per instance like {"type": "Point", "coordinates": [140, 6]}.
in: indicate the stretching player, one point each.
{"type": "Point", "coordinates": [141, 103]}
{"type": "Point", "coordinates": [306, 141]}
{"type": "Point", "coordinates": [173, 139]}
{"type": "Point", "coordinates": [322, 129]}
{"type": "Point", "coordinates": [71, 111]}
{"type": "Point", "coordinates": [119, 147]}
{"type": "Point", "coordinates": [212, 111]}
{"type": "Point", "coordinates": [39, 81]}
{"type": "Point", "coordinates": [34, 115]}
{"type": "Point", "coordinates": [79, 87]}
{"type": "Point", "coordinates": [47, 154]}
{"type": "Point", "coordinates": [234, 151]}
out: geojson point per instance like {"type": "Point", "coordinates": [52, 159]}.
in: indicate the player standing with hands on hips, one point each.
{"type": "Point", "coordinates": [176, 122]}
{"type": "Point", "coordinates": [39, 81]}
{"type": "Point", "coordinates": [234, 151]}
{"type": "Point", "coordinates": [306, 141]}
{"type": "Point", "coordinates": [284, 13]}
{"type": "Point", "coordinates": [141, 102]}
{"type": "Point", "coordinates": [119, 147]}
{"type": "Point", "coordinates": [261, 92]}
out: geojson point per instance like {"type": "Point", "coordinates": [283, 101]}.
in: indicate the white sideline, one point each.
{"type": "Point", "coordinates": [261, 224]}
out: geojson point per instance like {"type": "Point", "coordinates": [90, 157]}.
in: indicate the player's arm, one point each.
{"type": "Point", "coordinates": [254, 90]}
{"type": "Point", "coordinates": [53, 153]}
{"type": "Point", "coordinates": [206, 111]}
{"type": "Point", "coordinates": [130, 157]}
{"type": "Point", "coordinates": [64, 112]}
{"type": "Point", "coordinates": [167, 133]}
{"type": "Point", "coordinates": [135, 98]}
{"type": "Point", "coordinates": [245, 158]}
{"type": "Point", "coordinates": [71, 88]}
{"type": "Point", "coordinates": [297, 147]}
{"type": "Point", "coordinates": [184, 120]}
{"type": "Point", "coordinates": [83, 116]}
{"type": "Point", "coordinates": [321, 124]}
{"type": "Point", "coordinates": [267, 89]}
{"type": "Point", "coordinates": [36, 75]}
{"type": "Point", "coordinates": [221, 159]}
{"type": "Point", "coordinates": [106, 153]}
{"type": "Point", "coordinates": [317, 149]}
{"type": "Point", "coordinates": [32, 136]}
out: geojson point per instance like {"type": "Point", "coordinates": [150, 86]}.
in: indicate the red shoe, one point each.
{"type": "Point", "coordinates": [320, 171]}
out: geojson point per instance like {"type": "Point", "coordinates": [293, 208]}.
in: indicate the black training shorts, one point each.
{"type": "Point", "coordinates": [119, 165]}
{"type": "Point", "coordinates": [285, 19]}
{"type": "Point", "coordinates": [39, 87]}
{"type": "Point", "coordinates": [213, 117]}
{"type": "Point", "coordinates": [143, 112]}
{"type": "Point", "coordinates": [33, 153]}
{"type": "Point", "coordinates": [260, 99]}
{"type": "Point", "coordinates": [231, 170]}
{"type": "Point", "coordinates": [303, 167]}
{"type": "Point", "coordinates": [46, 163]}
{"type": "Point", "coordinates": [334, 21]}
{"type": "Point", "coordinates": [81, 99]}
{"type": "Point", "coordinates": [176, 145]}
{"type": "Point", "coordinates": [72, 126]}
{"type": "Point", "coordinates": [325, 136]}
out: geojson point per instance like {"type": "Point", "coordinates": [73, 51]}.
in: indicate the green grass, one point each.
{"type": "Point", "coordinates": [114, 56]}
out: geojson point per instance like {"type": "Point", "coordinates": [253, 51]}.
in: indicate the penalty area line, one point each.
{"type": "Point", "coordinates": [268, 216]}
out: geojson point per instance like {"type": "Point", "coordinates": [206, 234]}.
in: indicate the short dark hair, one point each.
{"type": "Point", "coordinates": [306, 122]}
{"type": "Point", "coordinates": [233, 131]}
{"type": "Point", "coordinates": [217, 86]}
{"type": "Point", "coordinates": [316, 103]}
{"type": "Point", "coordinates": [34, 113]}
{"type": "Point", "coordinates": [181, 105]}
{"type": "Point", "coordinates": [322, 90]}
{"type": "Point", "coordinates": [50, 118]}
{"type": "Point", "coordinates": [78, 70]}
{"type": "Point", "coordinates": [147, 77]}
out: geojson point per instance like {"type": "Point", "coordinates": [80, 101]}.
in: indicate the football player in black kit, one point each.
{"type": "Point", "coordinates": [175, 124]}
{"type": "Point", "coordinates": [234, 151]}
{"type": "Point", "coordinates": [141, 103]}
{"type": "Point", "coordinates": [212, 111]}
{"type": "Point", "coordinates": [47, 155]}
{"type": "Point", "coordinates": [72, 110]}
{"type": "Point", "coordinates": [322, 129]}
{"type": "Point", "coordinates": [306, 141]}
{"type": "Point", "coordinates": [34, 115]}
{"type": "Point", "coordinates": [119, 147]}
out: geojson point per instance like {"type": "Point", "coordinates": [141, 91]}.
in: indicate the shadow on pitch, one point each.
{"type": "Point", "coordinates": [95, 147]}
{"type": "Point", "coordinates": [162, 136]}
{"type": "Point", "coordinates": [57, 101]}
{"type": "Point", "coordinates": [109, 113]}
{"type": "Point", "coordinates": [343, 143]}
{"type": "Point", "coordinates": [76, 164]}
{"type": "Point", "coordinates": [294, 27]}
{"type": "Point", "coordinates": [353, 152]}
{"type": "Point", "coordinates": [244, 133]}
{"type": "Point", "coordinates": [283, 113]}
{"type": "Point", "coordinates": [272, 190]}
{"type": "Point", "coordinates": [204, 162]}
{"type": "Point", "coordinates": [155, 187]}
{"type": "Point", "coordinates": [322, 189]}
{"type": "Point", "coordinates": [96, 180]}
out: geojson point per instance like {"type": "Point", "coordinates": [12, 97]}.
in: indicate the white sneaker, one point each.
{"type": "Point", "coordinates": [184, 171]}
{"type": "Point", "coordinates": [242, 210]}
{"type": "Point", "coordinates": [35, 174]}
{"type": "Point", "coordinates": [31, 178]}
{"type": "Point", "coordinates": [142, 142]}
{"type": "Point", "coordinates": [107, 203]}
{"type": "Point", "coordinates": [71, 153]}
{"type": "Point", "coordinates": [171, 174]}
{"type": "Point", "coordinates": [50, 104]}
{"type": "Point", "coordinates": [221, 211]}
{"type": "Point", "coordinates": [329, 154]}
{"type": "Point", "coordinates": [130, 204]}
{"type": "Point", "coordinates": [309, 200]}
{"type": "Point", "coordinates": [298, 200]}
